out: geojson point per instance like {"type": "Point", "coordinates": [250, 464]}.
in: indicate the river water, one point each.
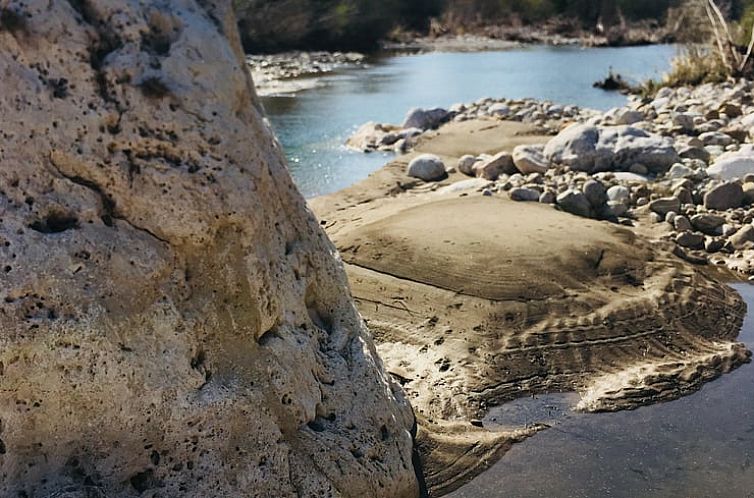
{"type": "Point", "coordinates": [699, 446]}
{"type": "Point", "coordinates": [314, 124]}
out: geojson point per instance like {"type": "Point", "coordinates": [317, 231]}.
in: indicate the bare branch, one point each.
{"type": "Point", "coordinates": [749, 50]}
{"type": "Point", "coordinates": [718, 38]}
{"type": "Point", "coordinates": [720, 16]}
{"type": "Point", "coordinates": [731, 45]}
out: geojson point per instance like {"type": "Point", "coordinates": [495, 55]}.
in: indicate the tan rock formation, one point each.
{"type": "Point", "coordinates": [173, 319]}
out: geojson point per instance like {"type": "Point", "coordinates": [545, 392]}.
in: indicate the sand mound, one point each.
{"type": "Point", "coordinates": [501, 299]}
{"type": "Point", "coordinates": [475, 301]}
{"type": "Point", "coordinates": [494, 249]}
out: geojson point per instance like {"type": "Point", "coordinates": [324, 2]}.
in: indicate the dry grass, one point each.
{"type": "Point", "coordinates": [715, 60]}
{"type": "Point", "coordinates": [694, 65]}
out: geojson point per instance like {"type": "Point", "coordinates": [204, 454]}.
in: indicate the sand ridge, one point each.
{"type": "Point", "coordinates": [509, 312]}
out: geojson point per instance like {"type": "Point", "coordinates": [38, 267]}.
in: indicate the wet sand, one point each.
{"type": "Point", "coordinates": [699, 445]}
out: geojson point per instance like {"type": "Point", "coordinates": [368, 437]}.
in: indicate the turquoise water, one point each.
{"type": "Point", "coordinates": [698, 446]}
{"type": "Point", "coordinates": [313, 125]}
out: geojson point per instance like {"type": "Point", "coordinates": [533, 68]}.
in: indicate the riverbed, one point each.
{"type": "Point", "coordinates": [313, 124]}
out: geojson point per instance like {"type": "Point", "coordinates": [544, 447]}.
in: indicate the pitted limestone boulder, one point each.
{"type": "Point", "coordinates": [173, 318]}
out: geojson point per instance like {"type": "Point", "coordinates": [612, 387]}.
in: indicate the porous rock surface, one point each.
{"type": "Point", "coordinates": [174, 322]}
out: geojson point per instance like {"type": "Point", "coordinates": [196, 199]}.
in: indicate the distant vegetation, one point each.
{"type": "Point", "coordinates": [586, 11]}
{"type": "Point", "coordinates": [721, 45]}
{"type": "Point", "coordinates": [274, 25]}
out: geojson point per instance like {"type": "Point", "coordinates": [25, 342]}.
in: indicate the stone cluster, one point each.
{"type": "Point", "coordinates": [681, 164]}
{"type": "Point", "coordinates": [547, 116]}
{"type": "Point", "coordinates": [297, 64]}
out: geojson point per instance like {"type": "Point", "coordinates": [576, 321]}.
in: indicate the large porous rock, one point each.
{"type": "Point", "coordinates": [576, 146]}
{"type": "Point", "coordinates": [611, 148]}
{"type": "Point", "coordinates": [575, 202]}
{"type": "Point", "coordinates": [427, 167]}
{"type": "Point", "coordinates": [174, 321]}
{"type": "Point", "coordinates": [744, 238]}
{"type": "Point", "coordinates": [370, 136]}
{"type": "Point", "coordinates": [727, 195]}
{"type": "Point", "coordinates": [491, 168]}
{"type": "Point", "coordinates": [734, 165]}
{"type": "Point", "coordinates": [665, 205]}
{"type": "Point", "coordinates": [530, 159]}
{"type": "Point", "coordinates": [425, 119]}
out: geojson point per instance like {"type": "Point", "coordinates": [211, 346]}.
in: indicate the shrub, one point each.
{"type": "Point", "coordinates": [696, 65]}
{"type": "Point", "coordinates": [720, 58]}
{"type": "Point", "coordinates": [273, 25]}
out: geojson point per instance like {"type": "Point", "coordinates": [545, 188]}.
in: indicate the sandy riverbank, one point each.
{"type": "Point", "coordinates": [287, 73]}
{"type": "Point", "coordinates": [476, 300]}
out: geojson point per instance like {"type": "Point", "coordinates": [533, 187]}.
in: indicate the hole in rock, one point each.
{"type": "Point", "coordinates": [317, 313]}
{"type": "Point", "coordinates": [156, 42]}
{"type": "Point", "coordinates": [55, 222]}
{"type": "Point", "coordinates": [153, 87]}
{"type": "Point", "coordinates": [59, 87]}
{"type": "Point", "coordinates": [197, 362]}
{"type": "Point", "coordinates": [317, 425]}
{"type": "Point", "coordinates": [11, 20]}
{"type": "Point", "coordinates": [384, 433]}
{"type": "Point", "coordinates": [144, 481]}
{"type": "Point", "coordinates": [266, 338]}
